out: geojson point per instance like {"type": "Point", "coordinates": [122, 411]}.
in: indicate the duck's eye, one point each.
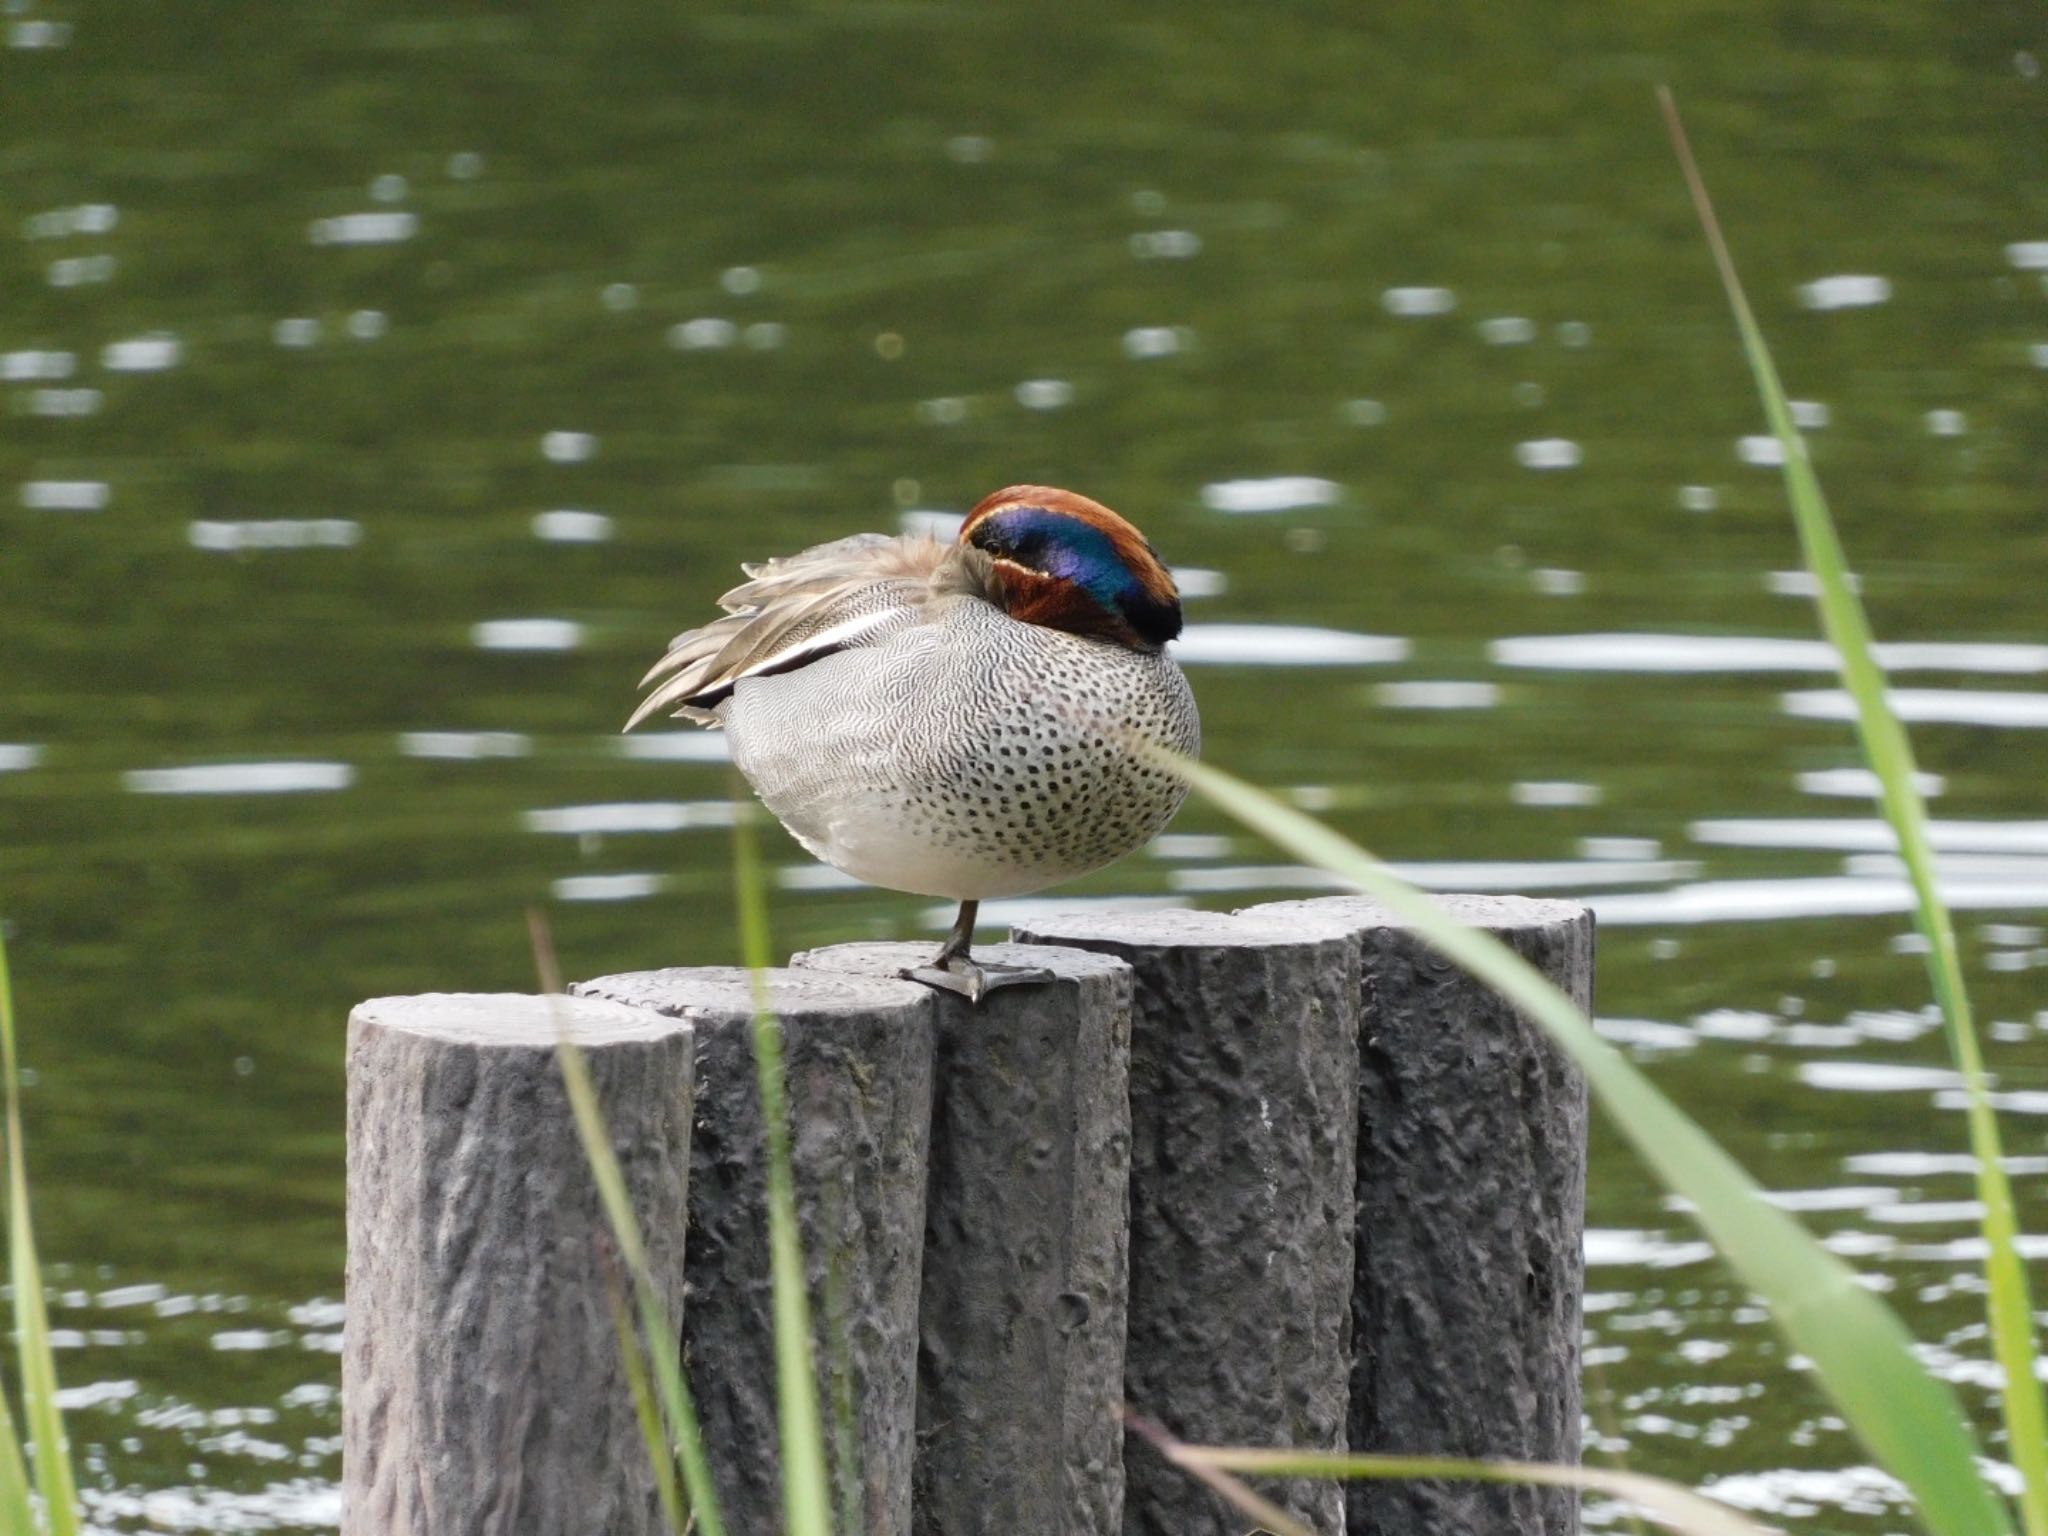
{"type": "Point", "coordinates": [1012, 535]}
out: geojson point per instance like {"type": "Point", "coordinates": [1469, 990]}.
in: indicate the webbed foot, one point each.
{"type": "Point", "coordinates": [973, 979]}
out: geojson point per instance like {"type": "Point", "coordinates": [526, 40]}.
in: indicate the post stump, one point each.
{"type": "Point", "coordinates": [482, 1387]}
{"type": "Point", "coordinates": [857, 1057]}
{"type": "Point", "coordinates": [1471, 1217]}
{"type": "Point", "coordinates": [1020, 1361]}
{"type": "Point", "coordinates": [1244, 1082]}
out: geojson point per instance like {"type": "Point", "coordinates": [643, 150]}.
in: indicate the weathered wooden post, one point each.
{"type": "Point", "coordinates": [1243, 1087]}
{"type": "Point", "coordinates": [1471, 1217]}
{"type": "Point", "coordinates": [1354, 1182]}
{"type": "Point", "coordinates": [1021, 1357]}
{"type": "Point", "coordinates": [857, 1056]}
{"type": "Point", "coordinates": [482, 1388]}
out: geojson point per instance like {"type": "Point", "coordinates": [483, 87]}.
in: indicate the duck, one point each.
{"type": "Point", "coordinates": [971, 719]}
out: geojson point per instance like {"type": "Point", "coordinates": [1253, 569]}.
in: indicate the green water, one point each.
{"type": "Point", "coordinates": [796, 270]}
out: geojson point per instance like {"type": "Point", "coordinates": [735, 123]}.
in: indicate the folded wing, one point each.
{"type": "Point", "coordinates": [794, 610]}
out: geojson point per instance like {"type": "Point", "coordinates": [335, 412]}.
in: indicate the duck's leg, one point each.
{"type": "Point", "coordinates": [951, 970]}
{"type": "Point", "coordinates": [961, 939]}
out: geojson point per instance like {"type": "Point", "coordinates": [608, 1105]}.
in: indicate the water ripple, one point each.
{"type": "Point", "coordinates": [1415, 303]}
{"type": "Point", "coordinates": [1933, 706]}
{"type": "Point", "coordinates": [1624, 652]}
{"type": "Point", "coordinates": [275, 533]}
{"type": "Point", "coordinates": [618, 887]}
{"type": "Point", "coordinates": [571, 527]}
{"type": "Point", "coordinates": [631, 816]}
{"type": "Point", "coordinates": [1276, 493]}
{"type": "Point", "coordinates": [1442, 875]}
{"type": "Point", "coordinates": [240, 779]}
{"type": "Point", "coordinates": [1847, 291]}
{"type": "Point", "coordinates": [66, 495]}
{"type": "Point", "coordinates": [1607, 1246]}
{"type": "Point", "coordinates": [526, 635]}
{"type": "Point", "coordinates": [694, 746]}
{"type": "Point", "coordinates": [1437, 694]}
{"type": "Point", "coordinates": [1730, 901]}
{"type": "Point", "coordinates": [1868, 834]}
{"type": "Point", "coordinates": [1283, 645]}
{"type": "Point", "coordinates": [382, 228]}
{"type": "Point", "coordinates": [464, 745]}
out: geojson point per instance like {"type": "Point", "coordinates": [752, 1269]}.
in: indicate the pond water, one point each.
{"type": "Point", "coordinates": [384, 387]}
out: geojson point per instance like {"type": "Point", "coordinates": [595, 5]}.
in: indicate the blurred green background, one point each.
{"type": "Point", "coordinates": [385, 386]}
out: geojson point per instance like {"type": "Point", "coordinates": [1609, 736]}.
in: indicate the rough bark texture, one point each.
{"type": "Point", "coordinates": [482, 1388]}
{"type": "Point", "coordinates": [1471, 1224]}
{"type": "Point", "coordinates": [1244, 1082]}
{"type": "Point", "coordinates": [1020, 1361]}
{"type": "Point", "coordinates": [858, 1061]}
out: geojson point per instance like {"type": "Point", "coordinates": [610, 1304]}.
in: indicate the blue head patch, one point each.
{"type": "Point", "coordinates": [1072, 549]}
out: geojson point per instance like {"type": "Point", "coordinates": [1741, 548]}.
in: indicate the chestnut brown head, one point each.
{"type": "Point", "coordinates": [1070, 563]}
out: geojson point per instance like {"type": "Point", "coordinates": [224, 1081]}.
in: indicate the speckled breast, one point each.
{"type": "Point", "coordinates": [969, 757]}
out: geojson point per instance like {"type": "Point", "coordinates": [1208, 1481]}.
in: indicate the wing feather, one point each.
{"type": "Point", "coordinates": [791, 611]}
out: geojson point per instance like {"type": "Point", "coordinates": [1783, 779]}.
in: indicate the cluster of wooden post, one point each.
{"type": "Point", "coordinates": [1281, 1177]}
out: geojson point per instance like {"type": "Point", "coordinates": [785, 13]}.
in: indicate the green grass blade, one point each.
{"type": "Point", "coordinates": [17, 1510]}
{"type": "Point", "coordinates": [660, 1452]}
{"type": "Point", "coordinates": [1862, 1354]}
{"type": "Point", "coordinates": [1889, 753]}
{"type": "Point", "coordinates": [845, 1428]}
{"type": "Point", "coordinates": [45, 1425]}
{"type": "Point", "coordinates": [663, 1342]}
{"type": "Point", "coordinates": [1271, 1517]}
{"type": "Point", "coordinates": [806, 1488]}
{"type": "Point", "coordinates": [1669, 1504]}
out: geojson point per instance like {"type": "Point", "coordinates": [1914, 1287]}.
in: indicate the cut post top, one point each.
{"type": "Point", "coordinates": [1182, 928]}
{"type": "Point", "coordinates": [716, 993]}
{"type": "Point", "coordinates": [1496, 914]}
{"type": "Point", "coordinates": [515, 1020]}
{"type": "Point", "coordinates": [891, 959]}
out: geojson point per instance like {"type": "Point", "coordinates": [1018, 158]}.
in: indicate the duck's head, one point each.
{"type": "Point", "coordinates": [1069, 563]}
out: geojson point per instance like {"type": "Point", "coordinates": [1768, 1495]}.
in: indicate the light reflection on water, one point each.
{"type": "Point", "coordinates": [1283, 493]}
{"type": "Point", "coordinates": [1503, 877]}
{"type": "Point", "coordinates": [1862, 784]}
{"type": "Point", "coordinates": [635, 816]}
{"type": "Point", "coordinates": [635, 885]}
{"type": "Point", "coordinates": [1283, 645]}
{"type": "Point", "coordinates": [1869, 835]}
{"type": "Point", "coordinates": [240, 779]}
{"type": "Point", "coordinates": [527, 635]}
{"type": "Point", "coordinates": [517, 379]}
{"type": "Point", "coordinates": [675, 747]}
{"type": "Point", "coordinates": [1749, 901]}
{"type": "Point", "coordinates": [275, 533]}
{"type": "Point", "coordinates": [465, 746]}
{"type": "Point", "coordinates": [1751, 653]}
{"type": "Point", "coordinates": [1949, 706]}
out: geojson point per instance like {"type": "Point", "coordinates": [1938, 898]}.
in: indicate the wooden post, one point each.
{"type": "Point", "coordinates": [857, 1057]}
{"type": "Point", "coordinates": [1471, 1217]}
{"type": "Point", "coordinates": [1355, 1188]}
{"type": "Point", "coordinates": [482, 1387]}
{"type": "Point", "coordinates": [1020, 1368]}
{"type": "Point", "coordinates": [1244, 1083]}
